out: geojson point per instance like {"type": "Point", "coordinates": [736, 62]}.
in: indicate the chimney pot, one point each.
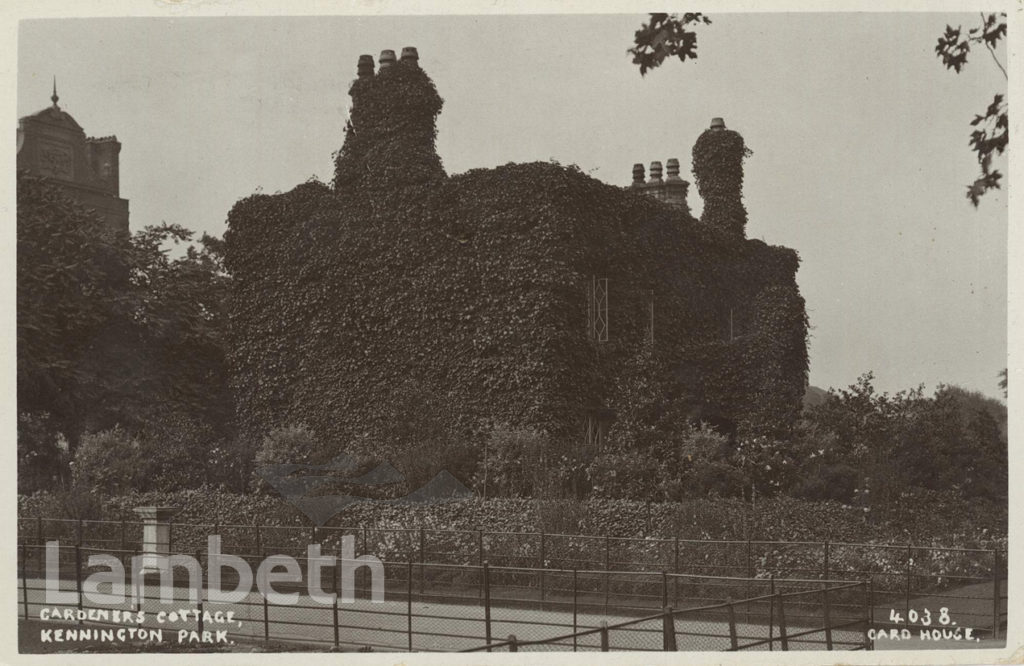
{"type": "Point", "coordinates": [672, 167]}
{"type": "Point", "coordinates": [365, 67]}
{"type": "Point", "coordinates": [655, 172]}
{"type": "Point", "coordinates": [410, 55]}
{"type": "Point", "coordinates": [387, 58]}
{"type": "Point", "coordinates": [717, 124]}
{"type": "Point", "coordinates": [638, 175]}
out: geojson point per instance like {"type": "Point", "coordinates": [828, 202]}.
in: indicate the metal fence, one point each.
{"type": "Point", "coordinates": [971, 580]}
{"type": "Point", "coordinates": [448, 607]}
{"type": "Point", "coordinates": [727, 626]}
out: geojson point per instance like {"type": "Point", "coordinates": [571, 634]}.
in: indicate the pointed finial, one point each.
{"type": "Point", "coordinates": [54, 97]}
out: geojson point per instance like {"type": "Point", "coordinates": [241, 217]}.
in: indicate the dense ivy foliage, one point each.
{"type": "Point", "coordinates": [472, 290]}
{"type": "Point", "coordinates": [718, 169]}
{"type": "Point", "coordinates": [389, 140]}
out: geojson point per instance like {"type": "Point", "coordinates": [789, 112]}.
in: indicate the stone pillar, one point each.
{"type": "Point", "coordinates": [156, 533]}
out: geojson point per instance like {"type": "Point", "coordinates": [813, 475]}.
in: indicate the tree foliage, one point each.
{"type": "Point", "coordinates": [666, 36]}
{"type": "Point", "coordinates": [115, 330]}
{"type": "Point", "coordinates": [992, 130]}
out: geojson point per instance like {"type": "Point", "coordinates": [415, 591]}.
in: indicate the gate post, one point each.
{"type": "Point", "coordinates": [487, 603]}
{"type": "Point", "coordinates": [668, 630]}
{"type": "Point", "coordinates": [733, 639]}
{"type": "Point", "coordinates": [782, 625]}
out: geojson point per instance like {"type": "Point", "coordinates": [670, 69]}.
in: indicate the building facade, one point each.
{"type": "Point", "coordinates": [52, 145]}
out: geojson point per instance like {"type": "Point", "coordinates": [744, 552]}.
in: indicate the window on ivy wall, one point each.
{"type": "Point", "coordinates": [736, 320]}
{"type": "Point", "coordinates": [597, 309]}
{"type": "Point", "coordinates": [596, 422]}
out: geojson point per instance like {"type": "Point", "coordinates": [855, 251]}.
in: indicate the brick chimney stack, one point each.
{"type": "Point", "coordinates": [387, 58]}
{"type": "Point", "coordinates": [411, 56]}
{"type": "Point", "coordinates": [365, 67]}
{"type": "Point", "coordinates": [671, 190]}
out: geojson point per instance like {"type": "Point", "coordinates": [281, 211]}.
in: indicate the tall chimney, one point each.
{"type": "Point", "coordinates": [365, 67]}
{"type": "Point", "coordinates": [655, 174]}
{"type": "Point", "coordinates": [410, 56]}
{"type": "Point", "coordinates": [718, 168]}
{"type": "Point", "coordinates": [675, 187]}
{"type": "Point", "coordinates": [638, 175]}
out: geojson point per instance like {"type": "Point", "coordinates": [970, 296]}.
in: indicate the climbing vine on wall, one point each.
{"type": "Point", "coordinates": [718, 169]}
{"type": "Point", "coordinates": [472, 290]}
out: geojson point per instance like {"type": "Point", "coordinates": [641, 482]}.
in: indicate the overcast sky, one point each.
{"type": "Point", "coordinates": [859, 138]}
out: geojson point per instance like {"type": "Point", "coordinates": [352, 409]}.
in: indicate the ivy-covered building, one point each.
{"type": "Point", "coordinates": [529, 295]}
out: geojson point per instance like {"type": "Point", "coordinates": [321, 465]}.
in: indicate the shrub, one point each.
{"type": "Point", "coordinates": [294, 444]}
{"type": "Point", "coordinates": [112, 462]}
{"type": "Point", "coordinates": [828, 482]}
{"type": "Point", "coordinates": [42, 462]}
{"type": "Point", "coordinates": [513, 463]}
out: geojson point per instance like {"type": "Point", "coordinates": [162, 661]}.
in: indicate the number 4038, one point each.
{"type": "Point", "coordinates": [924, 617]}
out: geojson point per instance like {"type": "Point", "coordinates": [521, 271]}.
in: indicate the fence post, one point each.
{"type": "Point", "coordinates": [170, 537]}
{"type": "Point", "coordinates": [24, 579]}
{"type": "Point", "coordinates": [574, 610]}
{"type": "Point", "coordinates": [266, 620]}
{"type": "Point", "coordinates": [78, 576]}
{"type": "Point", "coordinates": [607, 566]}
{"type": "Point", "coordinates": [512, 645]}
{"type": "Point", "coordinates": [408, 606]}
{"type": "Point", "coordinates": [39, 530]}
{"type": "Point", "coordinates": [487, 603]}
{"type": "Point", "coordinates": [259, 540]}
{"type": "Point", "coordinates": [828, 618]}
{"type": "Point", "coordinates": [771, 612]}
{"type": "Point", "coordinates": [995, 593]}
{"type": "Point", "coordinates": [734, 643]}
{"type": "Point", "coordinates": [668, 630]}
{"type": "Point", "coordinates": [543, 559]}
{"type": "Point", "coordinates": [869, 644]}
{"type": "Point", "coordinates": [480, 546]}
{"type": "Point", "coordinates": [334, 610]}
{"type": "Point", "coordinates": [80, 531]}
{"type": "Point", "coordinates": [782, 625]}
{"type": "Point", "coordinates": [664, 589]}
{"type": "Point", "coordinates": [199, 601]}
{"type": "Point", "coordinates": [604, 636]}
{"type": "Point", "coordinates": [675, 585]}
{"type": "Point", "coordinates": [750, 575]}
{"type": "Point", "coordinates": [825, 573]}
{"type": "Point", "coordinates": [423, 556]}
{"type": "Point", "coordinates": [910, 563]}
{"type": "Point", "coordinates": [124, 540]}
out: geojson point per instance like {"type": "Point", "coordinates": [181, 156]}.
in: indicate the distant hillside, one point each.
{"type": "Point", "coordinates": [973, 401]}
{"type": "Point", "coordinates": [970, 402]}
{"type": "Point", "coordinates": [814, 396]}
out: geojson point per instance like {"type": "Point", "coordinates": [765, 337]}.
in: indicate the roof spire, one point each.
{"type": "Point", "coordinates": [54, 97]}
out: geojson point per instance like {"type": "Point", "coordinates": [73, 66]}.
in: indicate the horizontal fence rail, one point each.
{"type": "Point", "coordinates": [447, 607]}
{"type": "Point", "coordinates": [533, 565]}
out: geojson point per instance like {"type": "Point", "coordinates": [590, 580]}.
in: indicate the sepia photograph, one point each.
{"type": "Point", "coordinates": [395, 330]}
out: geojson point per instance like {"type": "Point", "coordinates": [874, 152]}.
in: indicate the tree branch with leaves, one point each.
{"type": "Point", "coordinates": [992, 133]}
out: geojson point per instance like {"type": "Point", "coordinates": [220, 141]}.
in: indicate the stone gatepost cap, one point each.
{"type": "Point", "coordinates": [158, 513]}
